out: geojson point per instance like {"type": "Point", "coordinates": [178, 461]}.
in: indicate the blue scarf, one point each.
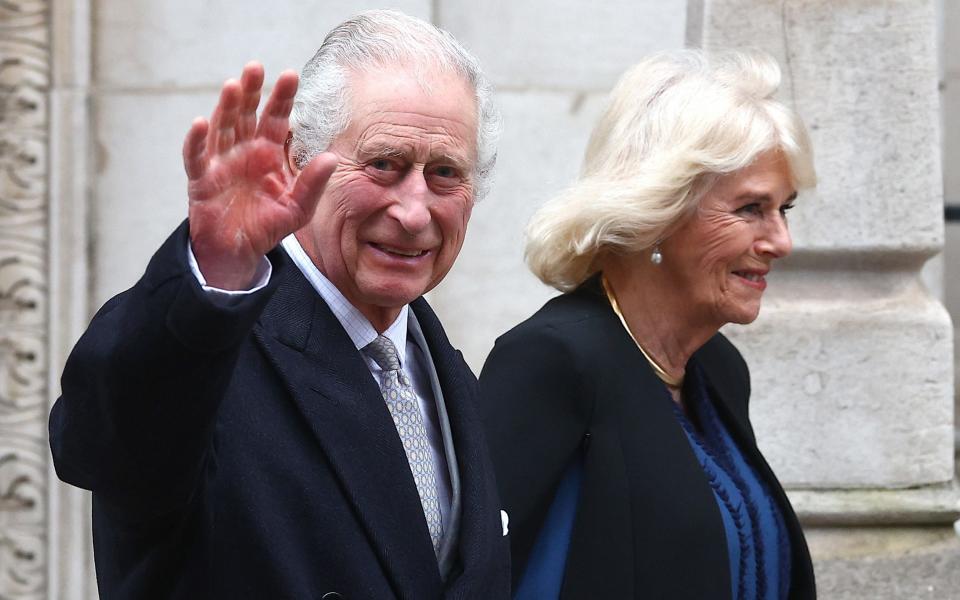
{"type": "Point", "coordinates": [757, 540]}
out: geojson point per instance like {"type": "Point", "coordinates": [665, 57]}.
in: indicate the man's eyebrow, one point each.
{"type": "Point", "coordinates": [368, 151]}
{"type": "Point", "coordinates": [375, 150]}
{"type": "Point", "coordinates": [459, 162]}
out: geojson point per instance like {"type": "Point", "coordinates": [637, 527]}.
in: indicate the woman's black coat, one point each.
{"type": "Point", "coordinates": [569, 380]}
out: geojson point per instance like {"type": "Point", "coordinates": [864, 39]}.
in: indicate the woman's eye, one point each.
{"type": "Point", "coordinates": [785, 209]}
{"type": "Point", "coordinates": [750, 209]}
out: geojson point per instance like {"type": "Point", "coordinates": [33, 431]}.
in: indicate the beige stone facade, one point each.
{"type": "Point", "coordinates": [852, 359]}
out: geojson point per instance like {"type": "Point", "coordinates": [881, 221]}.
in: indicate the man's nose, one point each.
{"type": "Point", "coordinates": [411, 208]}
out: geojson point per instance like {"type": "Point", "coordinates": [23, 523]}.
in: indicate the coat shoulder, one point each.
{"type": "Point", "coordinates": [568, 319]}
{"type": "Point", "coordinates": [724, 364]}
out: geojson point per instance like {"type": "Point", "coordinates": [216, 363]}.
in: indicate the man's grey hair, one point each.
{"type": "Point", "coordinates": [385, 39]}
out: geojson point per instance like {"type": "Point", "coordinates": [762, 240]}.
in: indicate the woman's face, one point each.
{"type": "Point", "coordinates": [719, 258]}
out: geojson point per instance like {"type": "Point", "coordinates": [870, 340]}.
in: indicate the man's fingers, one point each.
{"type": "Point", "coordinates": [274, 122]}
{"type": "Point", "coordinates": [252, 78]}
{"type": "Point", "coordinates": [224, 119]}
{"type": "Point", "coordinates": [194, 157]}
{"type": "Point", "coordinates": [251, 82]}
{"type": "Point", "coordinates": [311, 181]}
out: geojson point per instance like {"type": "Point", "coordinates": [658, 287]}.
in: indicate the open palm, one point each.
{"type": "Point", "coordinates": [243, 198]}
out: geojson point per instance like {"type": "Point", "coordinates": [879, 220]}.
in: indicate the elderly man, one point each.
{"type": "Point", "coordinates": [298, 426]}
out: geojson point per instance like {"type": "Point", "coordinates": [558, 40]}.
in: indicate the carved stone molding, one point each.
{"type": "Point", "coordinates": [24, 88]}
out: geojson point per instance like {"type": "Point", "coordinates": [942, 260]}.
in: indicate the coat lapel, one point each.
{"type": "Point", "coordinates": [477, 510]}
{"type": "Point", "coordinates": [679, 500]}
{"type": "Point", "coordinates": [642, 480]}
{"type": "Point", "coordinates": [330, 385]}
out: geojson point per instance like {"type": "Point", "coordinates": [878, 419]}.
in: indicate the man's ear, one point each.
{"type": "Point", "coordinates": [290, 162]}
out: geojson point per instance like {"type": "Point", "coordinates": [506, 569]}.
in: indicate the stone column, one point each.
{"type": "Point", "coordinates": [852, 357]}
{"type": "Point", "coordinates": [24, 83]}
{"type": "Point", "coordinates": [70, 572]}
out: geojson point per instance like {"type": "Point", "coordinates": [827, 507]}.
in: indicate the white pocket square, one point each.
{"type": "Point", "coordinates": [505, 520]}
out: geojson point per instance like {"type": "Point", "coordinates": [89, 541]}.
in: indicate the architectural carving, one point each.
{"type": "Point", "coordinates": [24, 87]}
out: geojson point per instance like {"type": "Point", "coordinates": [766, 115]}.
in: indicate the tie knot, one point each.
{"type": "Point", "coordinates": [384, 353]}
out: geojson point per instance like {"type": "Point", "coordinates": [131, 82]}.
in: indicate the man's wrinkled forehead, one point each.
{"type": "Point", "coordinates": [432, 78]}
{"type": "Point", "coordinates": [394, 113]}
{"type": "Point", "coordinates": [390, 140]}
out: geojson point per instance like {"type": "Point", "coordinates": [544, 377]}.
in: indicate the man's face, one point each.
{"type": "Point", "coordinates": [393, 216]}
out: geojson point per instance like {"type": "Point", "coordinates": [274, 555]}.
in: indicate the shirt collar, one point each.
{"type": "Point", "coordinates": [357, 326]}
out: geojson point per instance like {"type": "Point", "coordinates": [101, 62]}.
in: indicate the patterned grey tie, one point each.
{"type": "Point", "coordinates": [404, 408]}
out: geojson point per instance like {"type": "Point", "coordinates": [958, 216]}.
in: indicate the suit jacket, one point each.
{"type": "Point", "coordinates": [570, 380]}
{"type": "Point", "coordinates": [246, 452]}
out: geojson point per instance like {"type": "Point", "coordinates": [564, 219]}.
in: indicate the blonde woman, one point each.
{"type": "Point", "coordinates": [617, 414]}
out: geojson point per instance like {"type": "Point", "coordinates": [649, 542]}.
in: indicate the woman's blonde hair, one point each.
{"type": "Point", "coordinates": [673, 123]}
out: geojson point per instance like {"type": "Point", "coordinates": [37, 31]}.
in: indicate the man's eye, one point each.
{"type": "Point", "coordinates": [446, 172]}
{"type": "Point", "coordinates": [383, 164]}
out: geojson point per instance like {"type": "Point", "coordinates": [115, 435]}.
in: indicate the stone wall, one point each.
{"type": "Point", "coordinates": [552, 63]}
{"type": "Point", "coordinates": [950, 103]}
{"type": "Point", "coordinates": [851, 358]}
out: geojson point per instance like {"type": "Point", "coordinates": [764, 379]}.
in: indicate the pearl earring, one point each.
{"type": "Point", "coordinates": [656, 257]}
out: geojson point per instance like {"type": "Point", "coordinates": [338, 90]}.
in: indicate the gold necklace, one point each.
{"type": "Point", "coordinates": [674, 382]}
